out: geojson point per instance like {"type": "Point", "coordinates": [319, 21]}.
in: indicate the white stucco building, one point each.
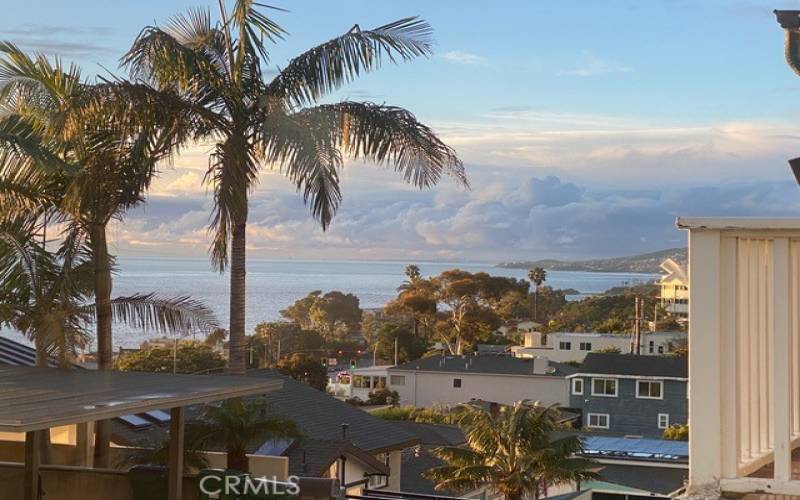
{"type": "Point", "coordinates": [674, 288]}
{"type": "Point", "coordinates": [569, 346]}
{"type": "Point", "coordinates": [449, 380]}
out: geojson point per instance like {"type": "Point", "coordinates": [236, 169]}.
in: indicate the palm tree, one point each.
{"type": "Point", "coordinates": [513, 451]}
{"type": "Point", "coordinates": [82, 166]}
{"type": "Point", "coordinates": [537, 276]}
{"type": "Point", "coordinates": [237, 424]}
{"type": "Point", "coordinates": [212, 73]}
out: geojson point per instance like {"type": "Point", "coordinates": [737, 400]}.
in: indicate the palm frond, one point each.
{"type": "Point", "coordinates": [327, 67]}
{"type": "Point", "coordinates": [170, 315]}
{"type": "Point", "coordinates": [253, 29]}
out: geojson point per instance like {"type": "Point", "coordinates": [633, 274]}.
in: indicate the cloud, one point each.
{"type": "Point", "coordinates": [461, 57]}
{"type": "Point", "coordinates": [592, 65]}
{"type": "Point", "coordinates": [59, 40]}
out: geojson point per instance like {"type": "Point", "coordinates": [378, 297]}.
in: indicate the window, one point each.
{"type": "Point", "coordinates": [661, 349]}
{"type": "Point", "coordinates": [663, 420]}
{"type": "Point", "coordinates": [606, 387]}
{"type": "Point", "coordinates": [649, 389]}
{"type": "Point", "coordinates": [379, 480]}
{"type": "Point", "coordinates": [397, 380]}
{"type": "Point", "coordinates": [586, 346]}
{"type": "Point", "coordinates": [577, 386]}
{"type": "Point", "coordinates": [379, 382]}
{"type": "Point", "coordinates": [597, 420]}
{"type": "Point", "coordinates": [457, 383]}
{"type": "Point", "coordinates": [565, 346]}
{"type": "Point", "coordinates": [651, 347]}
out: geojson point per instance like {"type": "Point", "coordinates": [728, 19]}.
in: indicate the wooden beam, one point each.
{"type": "Point", "coordinates": [782, 370]}
{"type": "Point", "coordinates": [84, 444]}
{"type": "Point", "coordinates": [175, 472]}
{"type": "Point", "coordinates": [33, 450]}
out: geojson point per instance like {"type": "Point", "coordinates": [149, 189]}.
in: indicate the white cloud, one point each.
{"type": "Point", "coordinates": [591, 65]}
{"type": "Point", "coordinates": [461, 57]}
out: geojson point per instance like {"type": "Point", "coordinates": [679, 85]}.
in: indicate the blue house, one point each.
{"type": "Point", "coordinates": [632, 395]}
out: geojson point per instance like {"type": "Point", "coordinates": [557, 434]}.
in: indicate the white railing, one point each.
{"type": "Point", "coordinates": [744, 354]}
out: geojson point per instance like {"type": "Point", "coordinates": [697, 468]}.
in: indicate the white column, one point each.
{"type": "Point", "coordinates": [705, 466]}
{"type": "Point", "coordinates": [781, 369]}
{"type": "Point", "coordinates": [731, 450]}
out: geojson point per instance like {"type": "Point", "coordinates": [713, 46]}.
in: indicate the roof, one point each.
{"type": "Point", "coordinates": [642, 449]}
{"type": "Point", "coordinates": [658, 480]}
{"type": "Point", "coordinates": [674, 270]}
{"type": "Point", "coordinates": [635, 365]}
{"type": "Point", "coordinates": [722, 223]}
{"type": "Point", "coordinates": [411, 479]}
{"type": "Point", "coordinates": [485, 364]}
{"type": "Point", "coordinates": [321, 416]}
{"type": "Point", "coordinates": [313, 457]}
{"type": "Point", "coordinates": [493, 348]}
{"type": "Point", "coordinates": [40, 398]}
{"type": "Point", "coordinates": [433, 434]}
{"type": "Point", "coordinates": [17, 354]}
{"type": "Point", "coordinates": [571, 496]}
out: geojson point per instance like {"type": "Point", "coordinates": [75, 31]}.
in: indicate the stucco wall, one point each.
{"type": "Point", "coordinates": [631, 415]}
{"type": "Point", "coordinates": [426, 389]}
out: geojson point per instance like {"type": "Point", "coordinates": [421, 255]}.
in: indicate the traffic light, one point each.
{"type": "Point", "coordinates": [352, 364]}
{"type": "Point", "coordinates": [324, 362]}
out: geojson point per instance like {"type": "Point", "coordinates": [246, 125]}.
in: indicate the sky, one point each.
{"type": "Point", "coordinates": [586, 128]}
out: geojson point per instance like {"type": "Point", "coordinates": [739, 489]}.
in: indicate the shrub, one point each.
{"type": "Point", "coordinates": [677, 432]}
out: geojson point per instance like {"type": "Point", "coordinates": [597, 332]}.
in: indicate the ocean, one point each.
{"type": "Point", "coordinates": [273, 285]}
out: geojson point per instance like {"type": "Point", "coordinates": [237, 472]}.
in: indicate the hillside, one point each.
{"type": "Point", "coordinates": [644, 263]}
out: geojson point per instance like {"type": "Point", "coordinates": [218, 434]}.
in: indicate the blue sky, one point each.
{"type": "Point", "coordinates": [586, 127]}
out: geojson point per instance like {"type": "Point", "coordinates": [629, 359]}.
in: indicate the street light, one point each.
{"type": "Point", "coordinates": [790, 22]}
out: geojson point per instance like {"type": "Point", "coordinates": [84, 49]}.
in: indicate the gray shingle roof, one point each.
{"type": "Point", "coordinates": [313, 457]}
{"type": "Point", "coordinates": [16, 354]}
{"type": "Point", "coordinates": [411, 479]}
{"type": "Point", "coordinates": [484, 364]}
{"type": "Point", "coordinates": [659, 480]}
{"type": "Point", "coordinates": [633, 365]}
{"type": "Point", "coordinates": [433, 434]}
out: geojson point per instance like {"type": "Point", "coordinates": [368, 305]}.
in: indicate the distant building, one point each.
{"type": "Point", "coordinates": [449, 380]}
{"type": "Point", "coordinates": [629, 394]}
{"type": "Point", "coordinates": [574, 346]}
{"type": "Point", "coordinates": [674, 288]}
{"type": "Point", "coordinates": [517, 326]}
{"type": "Point", "coordinates": [359, 382]}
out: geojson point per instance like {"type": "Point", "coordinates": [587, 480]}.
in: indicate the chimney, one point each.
{"type": "Point", "coordinates": [344, 431]}
{"type": "Point", "coordinates": [540, 365]}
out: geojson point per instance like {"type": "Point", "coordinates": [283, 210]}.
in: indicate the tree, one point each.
{"type": "Point", "coordinates": [513, 451]}
{"type": "Point", "coordinates": [677, 432]}
{"type": "Point", "coordinates": [212, 73]}
{"type": "Point", "coordinates": [409, 346]}
{"type": "Point", "coordinates": [306, 369]}
{"type": "Point", "coordinates": [216, 338]}
{"type": "Point", "coordinates": [189, 357]}
{"type": "Point", "coordinates": [334, 314]}
{"type": "Point", "coordinates": [537, 276]}
{"type": "Point", "coordinates": [237, 425]}
{"type": "Point", "coordinates": [416, 300]}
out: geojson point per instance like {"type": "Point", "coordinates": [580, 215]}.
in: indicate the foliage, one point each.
{"type": "Point", "coordinates": [306, 369]}
{"type": "Point", "coordinates": [548, 300]}
{"type": "Point", "coordinates": [513, 450]}
{"type": "Point", "coordinates": [216, 338]}
{"type": "Point", "coordinates": [280, 338]}
{"type": "Point", "coordinates": [192, 357]}
{"type": "Point", "coordinates": [610, 350]}
{"type": "Point", "coordinates": [157, 453]}
{"type": "Point", "coordinates": [334, 314]}
{"type": "Point", "coordinates": [677, 432]}
{"type": "Point", "coordinates": [412, 414]}
{"type": "Point", "coordinates": [409, 347]}
{"type": "Point", "coordinates": [237, 424]}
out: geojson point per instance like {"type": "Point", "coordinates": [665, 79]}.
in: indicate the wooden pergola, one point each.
{"type": "Point", "coordinates": [33, 400]}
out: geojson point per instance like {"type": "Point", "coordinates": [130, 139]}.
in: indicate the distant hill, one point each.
{"type": "Point", "coordinates": [644, 263]}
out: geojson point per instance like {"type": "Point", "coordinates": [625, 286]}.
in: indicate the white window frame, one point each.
{"type": "Point", "coordinates": [666, 424]}
{"type": "Point", "coordinates": [585, 346]}
{"type": "Point", "coordinates": [397, 380]}
{"type": "Point", "coordinates": [563, 343]}
{"type": "Point", "coordinates": [575, 382]}
{"type": "Point", "coordinates": [661, 389]}
{"type": "Point", "coordinates": [460, 383]}
{"type": "Point", "coordinates": [616, 387]}
{"type": "Point", "coordinates": [379, 481]}
{"type": "Point", "coordinates": [598, 426]}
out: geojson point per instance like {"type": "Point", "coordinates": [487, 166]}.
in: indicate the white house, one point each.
{"type": "Point", "coordinates": [359, 382]}
{"type": "Point", "coordinates": [449, 380]}
{"type": "Point", "coordinates": [674, 288]}
{"type": "Point", "coordinates": [569, 346]}
{"type": "Point", "coordinates": [517, 326]}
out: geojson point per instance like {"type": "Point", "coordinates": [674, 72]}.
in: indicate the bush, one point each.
{"type": "Point", "coordinates": [677, 432]}
{"type": "Point", "coordinates": [192, 357]}
{"type": "Point", "coordinates": [421, 415]}
{"type": "Point", "coordinates": [383, 397]}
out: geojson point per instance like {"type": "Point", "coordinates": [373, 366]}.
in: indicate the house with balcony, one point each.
{"type": "Point", "coordinates": [674, 288]}
{"type": "Point", "coordinates": [574, 346]}
{"type": "Point", "coordinates": [630, 395]}
{"type": "Point", "coordinates": [450, 380]}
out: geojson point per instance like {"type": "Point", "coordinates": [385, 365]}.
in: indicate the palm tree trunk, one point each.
{"type": "Point", "coordinates": [237, 460]}
{"type": "Point", "coordinates": [41, 361]}
{"type": "Point", "coordinates": [236, 360]}
{"type": "Point", "coordinates": [105, 349]}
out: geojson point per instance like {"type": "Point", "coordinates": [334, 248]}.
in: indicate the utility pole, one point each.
{"type": "Point", "coordinates": [636, 340]}
{"type": "Point", "coordinates": [395, 351]}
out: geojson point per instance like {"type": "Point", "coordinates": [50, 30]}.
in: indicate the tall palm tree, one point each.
{"type": "Point", "coordinates": [237, 424]}
{"type": "Point", "coordinates": [212, 72]}
{"type": "Point", "coordinates": [513, 451]}
{"type": "Point", "coordinates": [537, 276]}
{"type": "Point", "coordinates": [82, 166]}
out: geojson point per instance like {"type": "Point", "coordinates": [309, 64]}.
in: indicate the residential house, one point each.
{"type": "Point", "coordinates": [674, 288]}
{"type": "Point", "coordinates": [358, 382]}
{"type": "Point", "coordinates": [449, 380]}
{"type": "Point", "coordinates": [633, 395]}
{"type": "Point", "coordinates": [569, 346]}
{"type": "Point", "coordinates": [517, 326]}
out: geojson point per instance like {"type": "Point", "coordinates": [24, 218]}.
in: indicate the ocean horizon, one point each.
{"type": "Point", "coordinates": [273, 285]}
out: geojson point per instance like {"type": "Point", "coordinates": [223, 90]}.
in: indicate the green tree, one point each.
{"type": "Point", "coordinates": [409, 346]}
{"type": "Point", "coordinates": [300, 311]}
{"type": "Point", "coordinates": [306, 369]}
{"type": "Point", "coordinates": [189, 357]}
{"type": "Point", "coordinates": [416, 300]}
{"type": "Point", "coordinates": [677, 432]}
{"type": "Point", "coordinates": [513, 451]}
{"type": "Point", "coordinates": [537, 276]}
{"type": "Point", "coordinates": [334, 314]}
{"type": "Point", "coordinates": [237, 424]}
{"type": "Point", "coordinates": [212, 73]}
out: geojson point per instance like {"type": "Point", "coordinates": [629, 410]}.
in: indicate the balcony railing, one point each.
{"type": "Point", "coordinates": [744, 354]}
